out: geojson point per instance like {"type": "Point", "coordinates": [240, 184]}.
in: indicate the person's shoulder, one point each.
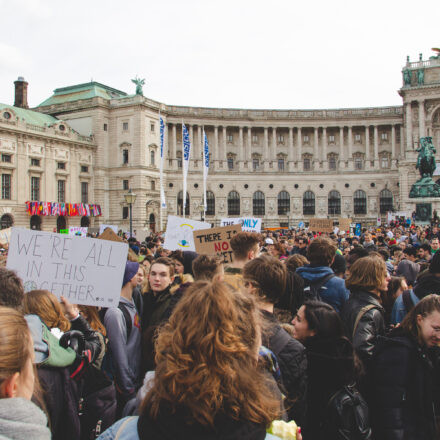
{"type": "Point", "coordinates": [123, 429]}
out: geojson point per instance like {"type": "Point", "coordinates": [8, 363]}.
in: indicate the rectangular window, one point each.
{"type": "Point", "coordinates": [331, 138]}
{"type": "Point", "coordinates": [179, 162]}
{"type": "Point", "coordinates": [255, 164]}
{"type": "Point", "coordinates": [35, 162]}
{"type": "Point", "coordinates": [125, 184]}
{"type": "Point", "coordinates": [357, 137]}
{"type": "Point", "coordinates": [153, 185]}
{"type": "Point", "coordinates": [358, 163]}
{"type": "Point", "coordinates": [61, 165]}
{"type": "Point", "coordinates": [281, 139]}
{"type": "Point", "coordinates": [280, 164]}
{"type": "Point", "coordinates": [152, 128]}
{"type": "Point", "coordinates": [6, 158]}
{"type": "Point", "coordinates": [230, 163]}
{"type": "Point", "coordinates": [255, 139]}
{"type": "Point", "coordinates": [61, 191]}
{"type": "Point", "coordinates": [125, 126]}
{"type": "Point", "coordinates": [384, 162]}
{"type": "Point", "coordinates": [230, 138]}
{"type": "Point", "coordinates": [384, 136]}
{"type": "Point", "coordinates": [84, 169]}
{"type": "Point", "coordinates": [105, 127]}
{"type": "Point", "coordinates": [84, 192]}
{"type": "Point", "coordinates": [125, 212]}
{"type": "Point", "coordinates": [332, 163]}
{"type": "Point", "coordinates": [306, 164]}
{"type": "Point", "coordinates": [35, 188]}
{"type": "Point", "coordinates": [306, 138]}
{"type": "Point", "coordinates": [6, 186]}
{"type": "Point", "coordinates": [125, 157]}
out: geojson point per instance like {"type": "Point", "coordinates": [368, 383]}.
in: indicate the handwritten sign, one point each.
{"type": "Point", "coordinates": [102, 228]}
{"type": "Point", "coordinates": [248, 224]}
{"type": "Point", "coordinates": [344, 224]}
{"type": "Point", "coordinates": [215, 241]}
{"type": "Point", "coordinates": [321, 225]}
{"type": "Point", "coordinates": [179, 233]}
{"type": "Point", "coordinates": [84, 270]}
{"type": "Point", "coordinates": [78, 231]}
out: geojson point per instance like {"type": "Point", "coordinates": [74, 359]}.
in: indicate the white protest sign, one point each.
{"type": "Point", "coordinates": [179, 233]}
{"type": "Point", "coordinates": [248, 224]}
{"type": "Point", "coordinates": [84, 270]}
{"type": "Point", "coordinates": [102, 228]}
{"type": "Point", "coordinates": [78, 231]}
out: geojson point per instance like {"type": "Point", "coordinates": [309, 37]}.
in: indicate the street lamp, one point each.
{"type": "Point", "coordinates": [202, 211]}
{"type": "Point", "coordinates": [130, 198]}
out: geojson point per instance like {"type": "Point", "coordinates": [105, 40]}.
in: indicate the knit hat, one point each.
{"type": "Point", "coordinates": [131, 268]}
{"type": "Point", "coordinates": [339, 264]}
{"type": "Point", "coordinates": [434, 266]}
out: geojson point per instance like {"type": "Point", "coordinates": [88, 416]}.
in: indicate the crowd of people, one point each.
{"type": "Point", "coordinates": [302, 336]}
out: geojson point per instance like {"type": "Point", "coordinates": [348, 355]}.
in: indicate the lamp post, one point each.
{"type": "Point", "coordinates": [130, 198]}
{"type": "Point", "coordinates": [202, 211]}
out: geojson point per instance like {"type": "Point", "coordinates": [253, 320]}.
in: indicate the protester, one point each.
{"type": "Point", "coordinates": [207, 382]}
{"type": "Point", "coordinates": [429, 280]}
{"type": "Point", "coordinates": [407, 266]}
{"type": "Point", "coordinates": [206, 267]}
{"type": "Point", "coordinates": [320, 281]}
{"type": "Point", "coordinates": [20, 419]}
{"type": "Point", "coordinates": [404, 376]}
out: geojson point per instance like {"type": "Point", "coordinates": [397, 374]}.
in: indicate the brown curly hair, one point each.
{"type": "Point", "coordinates": [206, 357]}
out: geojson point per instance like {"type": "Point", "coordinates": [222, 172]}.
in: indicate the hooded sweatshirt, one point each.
{"type": "Point", "coordinates": [333, 292]}
{"type": "Point", "coordinates": [20, 419]}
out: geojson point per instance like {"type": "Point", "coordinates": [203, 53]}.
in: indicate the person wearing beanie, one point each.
{"type": "Point", "coordinates": [123, 327]}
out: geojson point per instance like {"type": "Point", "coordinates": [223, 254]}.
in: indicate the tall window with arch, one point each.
{"type": "Point", "coordinates": [334, 203]}
{"type": "Point", "coordinates": [283, 203]}
{"type": "Point", "coordinates": [360, 202]}
{"type": "Point", "coordinates": [309, 203]}
{"type": "Point", "coordinates": [180, 203]}
{"type": "Point", "coordinates": [385, 201]}
{"type": "Point", "coordinates": [233, 203]}
{"type": "Point", "coordinates": [258, 203]}
{"type": "Point", "coordinates": [210, 202]}
{"type": "Point", "coordinates": [152, 158]}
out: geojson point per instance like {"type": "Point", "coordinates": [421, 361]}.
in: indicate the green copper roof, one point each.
{"type": "Point", "coordinates": [82, 91]}
{"type": "Point", "coordinates": [31, 117]}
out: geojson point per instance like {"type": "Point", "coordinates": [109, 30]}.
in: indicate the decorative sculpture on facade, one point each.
{"type": "Point", "coordinates": [420, 77]}
{"type": "Point", "coordinates": [407, 77]}
{"type": "Point", "coordinates": [139, 83]}
{"type": "Point", "coordinates": [425, 186]}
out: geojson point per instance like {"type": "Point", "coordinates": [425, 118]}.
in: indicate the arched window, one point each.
{"type": "Point", "coordinates": [334, 203]}
{"type": "Point", "coordinates": [61, 223]}
{"type": "Point", "coordinates": [283, 203]}
{"type": "Point", "coordinates": [152, 221]}
{"type": "Point", "coordinates": [233, 203]}
{"type": "Point", "coordinates": [36, 223]}
{"type": "Point", "coordinates": [85, 222]}
{"type": "Point", "coordinates": [258, 204]}
{"type": "Point", "coordinates": [180, 203]}
{"type": "Point", "coordinates": [152, 158]}
{"type": "Point", "coordinates": [210, 203]}
{"type": "Point", "coordinates": [360, 202]}
{"type": "Point", "coordinates": [309, 203]}
{"type": "Point", "coordinates": [6, 221]}
{"type": "Point", "coordinates": [386, 201]}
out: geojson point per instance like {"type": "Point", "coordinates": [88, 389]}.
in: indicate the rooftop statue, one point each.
{"type": "Point", "coordinates": [139, 83]}
{"type": "Point", "coordinates": [425, 186]}
{"type": "Point", "coordinates": [407, 77]}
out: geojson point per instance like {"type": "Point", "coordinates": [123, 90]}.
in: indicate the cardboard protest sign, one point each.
{"type": "Point", "coordinates": [215, 241]}
{"type": "Point", "coordinates": [78, 231]}
{"type": "Point", "coordinates": [321, 225]}
{"type": "Point", "coordinates": [248, 224]}
{"type": "Point", "coordinates": [344, 224]}
{"type": "Point", "coordinates": [84, 270]}
{"type": "Point", "coordinates": [179, 233]}
{"type": "Point", "coordinates": [102, 228]}
{"type": "Point", "coordinates": [5, 236]}
{"type": "Point", "coordinates": [108, 234]}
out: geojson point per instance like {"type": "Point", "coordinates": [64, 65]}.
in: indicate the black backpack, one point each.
{"type": "Point", "coordinates": [312, 291]}
{"type": "Point", "coordinates": [346, 416]}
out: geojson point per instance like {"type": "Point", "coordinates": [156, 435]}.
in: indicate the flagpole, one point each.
{"type": "Point", "coordinates": [183, 176]}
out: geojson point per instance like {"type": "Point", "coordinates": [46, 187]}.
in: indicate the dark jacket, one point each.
{"type": "Point", "coordinates": [333, 292]}
{"type": "Point", "coordinates": [426, 284]}
{"type": "Point", "coordinates": [293, 296]}
{"type": "Point", "coordinates": [330, 366]}
{"type": "Point", "coordinates": [402, 389]}
{"type": "Point", "coordinates": [409, 270]}
{"type": "Point", "coordinates": [293, 365]}
{"type": "Point", "coordinates": [370, 326]}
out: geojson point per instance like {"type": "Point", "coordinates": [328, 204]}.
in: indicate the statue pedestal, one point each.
{"type": "Point", "coordinates": [424, 187]}
{"type": "Point", "coordinates": [423, 213]}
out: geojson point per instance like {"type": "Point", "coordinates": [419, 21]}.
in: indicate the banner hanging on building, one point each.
{"type": "Point", "coordinates": [205, 168]}
{"type": "Point", "coordinates": [163, 203]}
{"type": "Point", "coordinates": [186, 152]}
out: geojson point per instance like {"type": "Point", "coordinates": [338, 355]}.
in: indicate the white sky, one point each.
{"type": "Point", "coordinates": [229, 53]}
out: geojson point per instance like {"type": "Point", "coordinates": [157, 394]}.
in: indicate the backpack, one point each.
{"type": "Point", "coordinates": [346, 416]}
{"type": "Point", "coordinates": [312, 291]}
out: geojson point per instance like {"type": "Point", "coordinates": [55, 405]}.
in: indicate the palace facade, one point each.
{"type": "Point", "coordinates": [284, 166]}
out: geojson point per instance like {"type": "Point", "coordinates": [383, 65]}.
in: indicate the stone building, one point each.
{"type": "Point", "coordinates": [281, 165]}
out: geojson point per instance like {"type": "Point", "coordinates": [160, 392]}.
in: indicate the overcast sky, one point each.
{"type": "Point", "coordinates": [230, 53]}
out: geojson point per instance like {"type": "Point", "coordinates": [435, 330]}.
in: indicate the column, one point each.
{"type": "Point", "coordinates": [324, 144]}
{"type": "Point", "coordinates": [341, 144]}
{"type": "Point", "coordinates": [266, 149]}
{"type": "Point", "coordinates": [409, 139]}
{"type": "Point", "coordinates": [367, 147]}
{"type": "Point", "coordinates": [216, 148]}
{"type": "Point", "coordinates": [422, 118]}
{"type": "Point", "coordinates": [249, 145]}
{"type": "Point", "coordinates": [174, 144]}
{"type": "Point", "coordinates": [299, 152]}
{"type": "Point", "coordinates": [315, 146]}
{"type": "Point", "coordinates": [224, 153]}
{"type": "Point", "coordinates": [376, 146]}
{"type": "Point", "coordinates": [402, 143]}
{"type": "Point", "coordinates": [350, 147]}
{"type": "Point", "coordinates": [393, 146]}
{"type": "Point", "coordinates": [240, 147]}
{"type": "Point", "coordinates": [290, 155]}
{"type": "Point", "coordinates": [274, 144]}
